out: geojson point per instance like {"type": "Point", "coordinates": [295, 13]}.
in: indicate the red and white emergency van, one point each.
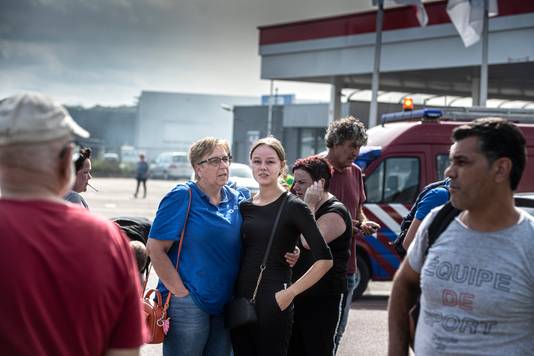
{"type": "Point", "coordinates": [404, 154]}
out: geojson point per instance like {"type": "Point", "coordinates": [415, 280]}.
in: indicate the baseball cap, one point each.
{"type": "Point", "coordinates": [34, 118]}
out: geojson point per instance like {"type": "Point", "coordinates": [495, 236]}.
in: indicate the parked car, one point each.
{"type": "Point", "coordinates": [111, 157]}
{"type": "Point", "coordinates": [171, 165]}
{"type": "Point", "coordinates": [241, 175]}
{"type": "Point", "coordinates": [129, 157]}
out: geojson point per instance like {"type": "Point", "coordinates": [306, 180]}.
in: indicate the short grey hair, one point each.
{"type": "Point", "coordinates": [39, 157]}
{"type": "Point", "coordinates": [345, 129]}
{"type": "Point", "coordinates": [19, 163]}
{"type": "Point", "coordinates": [205, 146]}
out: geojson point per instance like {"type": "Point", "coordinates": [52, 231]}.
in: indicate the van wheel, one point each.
{"type": "Point", "coordinates": [365, 275]}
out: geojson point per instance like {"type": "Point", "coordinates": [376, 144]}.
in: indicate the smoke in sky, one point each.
{"type": "Point", "coordinates": [106, 51]}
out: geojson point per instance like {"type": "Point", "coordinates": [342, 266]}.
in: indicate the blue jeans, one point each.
{"type": "Point", "coordinates": [193, 332]}
{"type": "Point", "coordinates": [352, 282]}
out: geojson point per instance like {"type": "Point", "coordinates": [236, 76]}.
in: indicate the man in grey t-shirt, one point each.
{"type": "Point", "coordinates": [477, 281]}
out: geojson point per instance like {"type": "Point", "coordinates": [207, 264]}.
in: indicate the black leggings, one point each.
{"type": "Point", "coordinates": [315, 324]}
{"type": "Point", "coordinates": [270, 335]}
{"type": "Point", "coordinates": [139, 181]}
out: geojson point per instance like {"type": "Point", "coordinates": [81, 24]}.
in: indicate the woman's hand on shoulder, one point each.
{"type": "Point", "coordinates": [284, 298]}
{"type": "Point", "coordinates": [292, 257]}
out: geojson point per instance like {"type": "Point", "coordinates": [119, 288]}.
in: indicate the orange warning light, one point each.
{"type": "Point", "coordinates": [407, 104]}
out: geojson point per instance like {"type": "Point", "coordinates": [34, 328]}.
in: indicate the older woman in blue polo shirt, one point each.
{"type": "Point", "coordinates": [209, 261]}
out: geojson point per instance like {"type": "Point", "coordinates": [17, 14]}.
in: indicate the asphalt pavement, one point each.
{"type": "Point", "coordinates": [366, 333]}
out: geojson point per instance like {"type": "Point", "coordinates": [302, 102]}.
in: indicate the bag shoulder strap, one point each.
{"type": "Point", "coordinates": [275, 228]}
{"type": "Point", "coordinates": [182, 235]}
{"type": "Point", "coordinates": [270, 244]}
{"type": "Point", "coordinates": [440, 223]}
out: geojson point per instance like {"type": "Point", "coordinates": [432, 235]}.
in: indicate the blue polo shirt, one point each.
{"type": "Point", "coordinates": [433, 198]}
{"type": "Point", "coordinates": [211, 250]}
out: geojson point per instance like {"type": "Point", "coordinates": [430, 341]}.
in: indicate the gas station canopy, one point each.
{"type": "Point", "coordinates": [432, 60]}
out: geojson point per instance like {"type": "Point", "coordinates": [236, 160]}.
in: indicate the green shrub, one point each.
{"type": "Point", "coordinates": [106, 168]}
{"type": "Point", "coordinates": [128, 169]}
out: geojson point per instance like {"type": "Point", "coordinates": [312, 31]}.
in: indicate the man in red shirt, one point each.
{"type": "Point", "coordinates": [69, 281]}
{"type": "Point", "coordinates": [344, 138]}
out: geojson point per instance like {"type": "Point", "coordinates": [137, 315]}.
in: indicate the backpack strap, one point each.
{"type": "Point", "coordinates": [407, 220]}
{"type": "Point", "coordinates": [440, 223]}
{"type": "Point", "coordinates": [410, 217]}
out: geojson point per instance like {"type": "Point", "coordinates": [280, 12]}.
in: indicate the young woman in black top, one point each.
{"type": "Point", "coordinates": [270, 335]}
{"type": "Point", "coordinates": [318, 310]}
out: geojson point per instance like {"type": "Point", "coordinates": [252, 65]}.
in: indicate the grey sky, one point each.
{"type": "Point", "coordinates": [107, 51]}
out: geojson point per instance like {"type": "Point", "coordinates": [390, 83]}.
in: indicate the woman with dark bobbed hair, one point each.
{"type": "Point", "coordinates": [318, 310]}
{"type": "Point", "coordinates": [82, 168]}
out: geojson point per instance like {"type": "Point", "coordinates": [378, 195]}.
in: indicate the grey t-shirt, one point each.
{"type": "Point", "coordinates": [477, 290]}
{"type": "Point", "coordinates": [76, 198]}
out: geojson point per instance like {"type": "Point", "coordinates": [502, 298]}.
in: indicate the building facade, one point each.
{"type": "Point", "coordinates": [300, 127]}
{"type": "Point", "coordinates": [172, 121]}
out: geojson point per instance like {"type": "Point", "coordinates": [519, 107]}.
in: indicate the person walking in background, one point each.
{"type": "Point", "coordinates": [275, 293]}
{"type": "Point", "coordinates": [318, 310]}
{"type": "Point", "coordinates": [82, 169]}
{"type": "Point", "coordinates": [70, 281]}
{"type": "Point", "coordinates": [344, 138]}
{"type": "Point", "coordinates": [477, 277]}
{"type": "Point", "coordinates": [210, 256]}
{"type": "Point", "coordinates": [141, 174]}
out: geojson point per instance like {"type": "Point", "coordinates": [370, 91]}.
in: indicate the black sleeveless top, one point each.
{"type": "Point", "coordinates": [335, 280]}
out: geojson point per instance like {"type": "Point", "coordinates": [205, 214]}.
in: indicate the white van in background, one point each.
{"type": "Point", "coordinates": [171, 165]}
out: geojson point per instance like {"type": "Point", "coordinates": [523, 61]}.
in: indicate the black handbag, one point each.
{"type": "Point", "coordinates": [241, 311]}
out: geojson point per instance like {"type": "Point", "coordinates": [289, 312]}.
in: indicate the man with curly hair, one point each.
{"type": "Point", "coordinates": [344, 138]}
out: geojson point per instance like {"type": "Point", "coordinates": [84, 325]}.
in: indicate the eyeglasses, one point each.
{"type": "Point", "coordinates": [216, 161]}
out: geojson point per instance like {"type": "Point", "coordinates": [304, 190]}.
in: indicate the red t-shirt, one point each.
{"type": "Point", "coordinates": [69, 282]}
{"type": "Point", "coordinates": [347, 186]}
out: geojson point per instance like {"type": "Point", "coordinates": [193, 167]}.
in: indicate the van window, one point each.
{"type": "Point", "coordinates": [442, 162]}
{"type": "Point", "coordinates": [396, 180]}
